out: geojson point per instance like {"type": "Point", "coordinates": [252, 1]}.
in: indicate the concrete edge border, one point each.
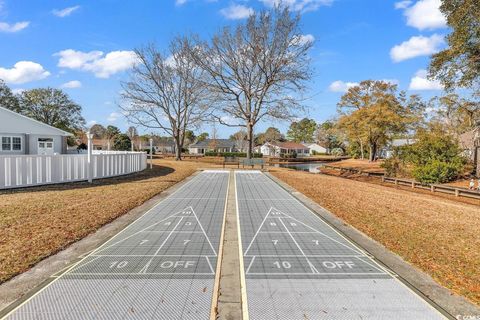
{"type": "Point", "coordinates": [23, 286]}
{"type": "Point", "coordinates": [450, 304]}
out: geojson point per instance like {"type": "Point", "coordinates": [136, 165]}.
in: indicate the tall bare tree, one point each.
{"type": "Point", "coordinates": [166, 92]}
{"type": "Point", "coordinates": [256, 70]}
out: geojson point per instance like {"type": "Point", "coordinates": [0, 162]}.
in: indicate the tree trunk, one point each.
{"type": "Point", "coordinates": [250, 139]}
{"type": "Point", "coordinates": [373, 152]}
{"type": "Point", "coordinates": [362, 154]}
{"type": "Point", "coordinates": [178, 149]}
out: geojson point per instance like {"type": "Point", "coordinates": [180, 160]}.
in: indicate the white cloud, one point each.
{"type": "Point", "coordinates": [17, 90]}
{"type": "Point", "coordinates": [103, 66]}
{"type": "Point", "coordinates": [424, 14]}
{"type": "Point", "coordinates": [113, 116]}
{"type": "Point", "coordinates": [340, 86]}
{"type": "Point", "coordinates": [72, 84]}
{"type": "Point", "coordinates": [236, 11]}
{"type": "Point", "coordinates": [298, 5]}
{"type": "Point", "coordinates": [91, 123]}
{"type": "Point", "coordinates": [65, 12]}
{"type": "Point", "coordinates": [15, 27]}
{"type": "Point", "coordinates": [22, 72]}
{"type": "Point", "coordinates": [420, 82]}
{"type": "Point", "coordinates": [391, 81]}
{"type": "Point", "coordinates": [403, 4]}
{"type": "Point", "coordinates": [305, 38]}
{"type": "Point", "coordinates": [416, 46]}
{"type": "Point", "coordinates": [180, 2]}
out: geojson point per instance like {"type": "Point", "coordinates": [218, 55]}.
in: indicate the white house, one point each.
{"type": "Point", "coordinates": [315, 148]}
{"type": "Point", "coordinates": [215, 145]}
{"type": "Point", "coordinates": [22, 135]}
{"type": "Point", "coordinates": [275, 149]}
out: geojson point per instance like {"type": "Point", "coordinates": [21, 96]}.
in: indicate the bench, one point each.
{"type": "Point", "coordinates": [231, 160]}
{"type": "Point", "coordinates": [253, 162]}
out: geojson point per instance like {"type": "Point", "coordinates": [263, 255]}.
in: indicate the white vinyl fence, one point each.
{"type": "Point", "coordinates": [32, 170]}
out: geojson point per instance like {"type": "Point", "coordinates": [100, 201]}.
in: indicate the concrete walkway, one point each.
{"type": "Point", "coordinates": [227, 245]}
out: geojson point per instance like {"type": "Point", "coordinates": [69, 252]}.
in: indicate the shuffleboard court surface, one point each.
{"type": "Point", "coordinates": [296, 266]}
{"type": "Point", "coordinates": [162, 266]}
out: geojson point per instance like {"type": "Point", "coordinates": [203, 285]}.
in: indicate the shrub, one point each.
{"type": "Point", "coordinates": [437, 171]}
{"type": "Point", "coordinates": [337, 152]}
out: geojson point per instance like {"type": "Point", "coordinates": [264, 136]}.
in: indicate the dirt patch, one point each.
{"type": "Point", "coordinates": [38, 222]}
{"type": "Point", "coordinates": [440, 236]}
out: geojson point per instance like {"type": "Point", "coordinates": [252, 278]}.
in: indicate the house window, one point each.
{"type": "Point", "coordinates": [6, 143]}
{"type": "Point", "coordinates": [11, 143]}
{"type": "Point", "coordinates": [16, 143]}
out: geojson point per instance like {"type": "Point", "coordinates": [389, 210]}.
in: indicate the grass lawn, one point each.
{"type": "Point", "coordinates": [437, 235]}
{"type": "Point", "coordinates": [38, 222]}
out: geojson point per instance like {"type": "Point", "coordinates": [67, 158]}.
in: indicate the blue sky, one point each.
{"type": "Point", "coordinates": [84, 47]}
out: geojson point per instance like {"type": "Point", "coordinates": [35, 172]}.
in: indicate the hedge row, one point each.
{"type": "Point", "coordinates": [232, 154]}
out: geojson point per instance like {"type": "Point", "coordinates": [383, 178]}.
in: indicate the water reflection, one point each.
{"type": "Point", "coordinates": [305, 166]}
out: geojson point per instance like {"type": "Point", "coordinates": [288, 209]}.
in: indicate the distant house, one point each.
{"type": "Point", "coordinates": [387, 152]}
{"type": "Point", "coordinates": [315, 148]}
{"type": "Point", "coordinates": [23, 135]}
{"type": "Point", "coordinates": [215, 145]}
{"type": "Point", "coordinates": [275, 149]}
{"type": "Point", "coordinates": [165, 147]}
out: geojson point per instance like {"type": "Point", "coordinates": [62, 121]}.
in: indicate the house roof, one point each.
{"type": "Point", "coordinates": [12, 122]}
{"type": "Point", "coordinates": [219, 143]}
{"type": "Point", "coordinates": [288, 145]}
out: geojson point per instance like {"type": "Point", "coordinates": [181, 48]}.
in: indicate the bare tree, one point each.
{"type": "Point", "coordinates": [257, 70]}
{"type": "Point", "coordinates": [166, 92]}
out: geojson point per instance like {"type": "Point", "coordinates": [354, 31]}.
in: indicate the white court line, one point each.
{"type": "Point", "coordinates": [314, 270]}
{"type": "Point", "coordinates": [308, 255]}
{"type": "Point", "coordinates": [210, 265]}
{"type": "Point", "coordinates": [203, 230]}
{"type": "Point", "coordinates": [368, 263]}
{"type": "Point", "coordinates": [323, 234]}
{"type": "Point", "coordinates": [316, 274]}
{"type": "Point", "coordinates": [145, 268]}
{"type": "Point", "coordinates": [158, 255]}
{"type": "Point", "coordinates": [250, 265]}
{"type": "Point", "coordinates": [258, 230]}
{"type": "Point", "coordinates": [140, 274]}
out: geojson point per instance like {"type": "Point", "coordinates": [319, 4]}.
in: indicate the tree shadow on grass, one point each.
{"type": "Point", "coordinates": [156, 171]}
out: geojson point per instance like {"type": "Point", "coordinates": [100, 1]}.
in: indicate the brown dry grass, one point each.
{"type": "Point", "coordinates": [437, 235]}
{"type": "Point", "coordinates": [359, 164]}
{"type": "Point", "coordinates": [38, 222]}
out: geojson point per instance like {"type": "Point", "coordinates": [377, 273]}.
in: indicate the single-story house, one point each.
{"type": "Point", "coordinates": [23, 135]}
{"type": "Point", "coordinates": [275, 149]}
{"type": "Point", "coordinates": [215, 145]}
{"type": "Point", "coordinates": [315, 148]}
{"type": "Point", "coordinates": [165, 147]}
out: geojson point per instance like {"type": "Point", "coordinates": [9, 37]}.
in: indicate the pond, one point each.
{"type": "Point", "coordinates": [305, 166]}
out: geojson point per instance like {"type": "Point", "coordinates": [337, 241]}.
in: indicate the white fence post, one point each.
{"type": "Point", "coordinates": [151, 153]}
{"type": "Point", "coordinates": [89, 157]}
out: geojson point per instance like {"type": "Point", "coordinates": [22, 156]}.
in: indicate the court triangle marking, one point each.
{"type": "Point", "coordinates": [319, 232]}
{"type": "Point", "coordinates": [174, 215]}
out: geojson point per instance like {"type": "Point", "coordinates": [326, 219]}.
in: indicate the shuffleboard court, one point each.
{"type": "Point", "coordinates": [162, 266]}
{"type": "Point", "coordinates": [296, 266]}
